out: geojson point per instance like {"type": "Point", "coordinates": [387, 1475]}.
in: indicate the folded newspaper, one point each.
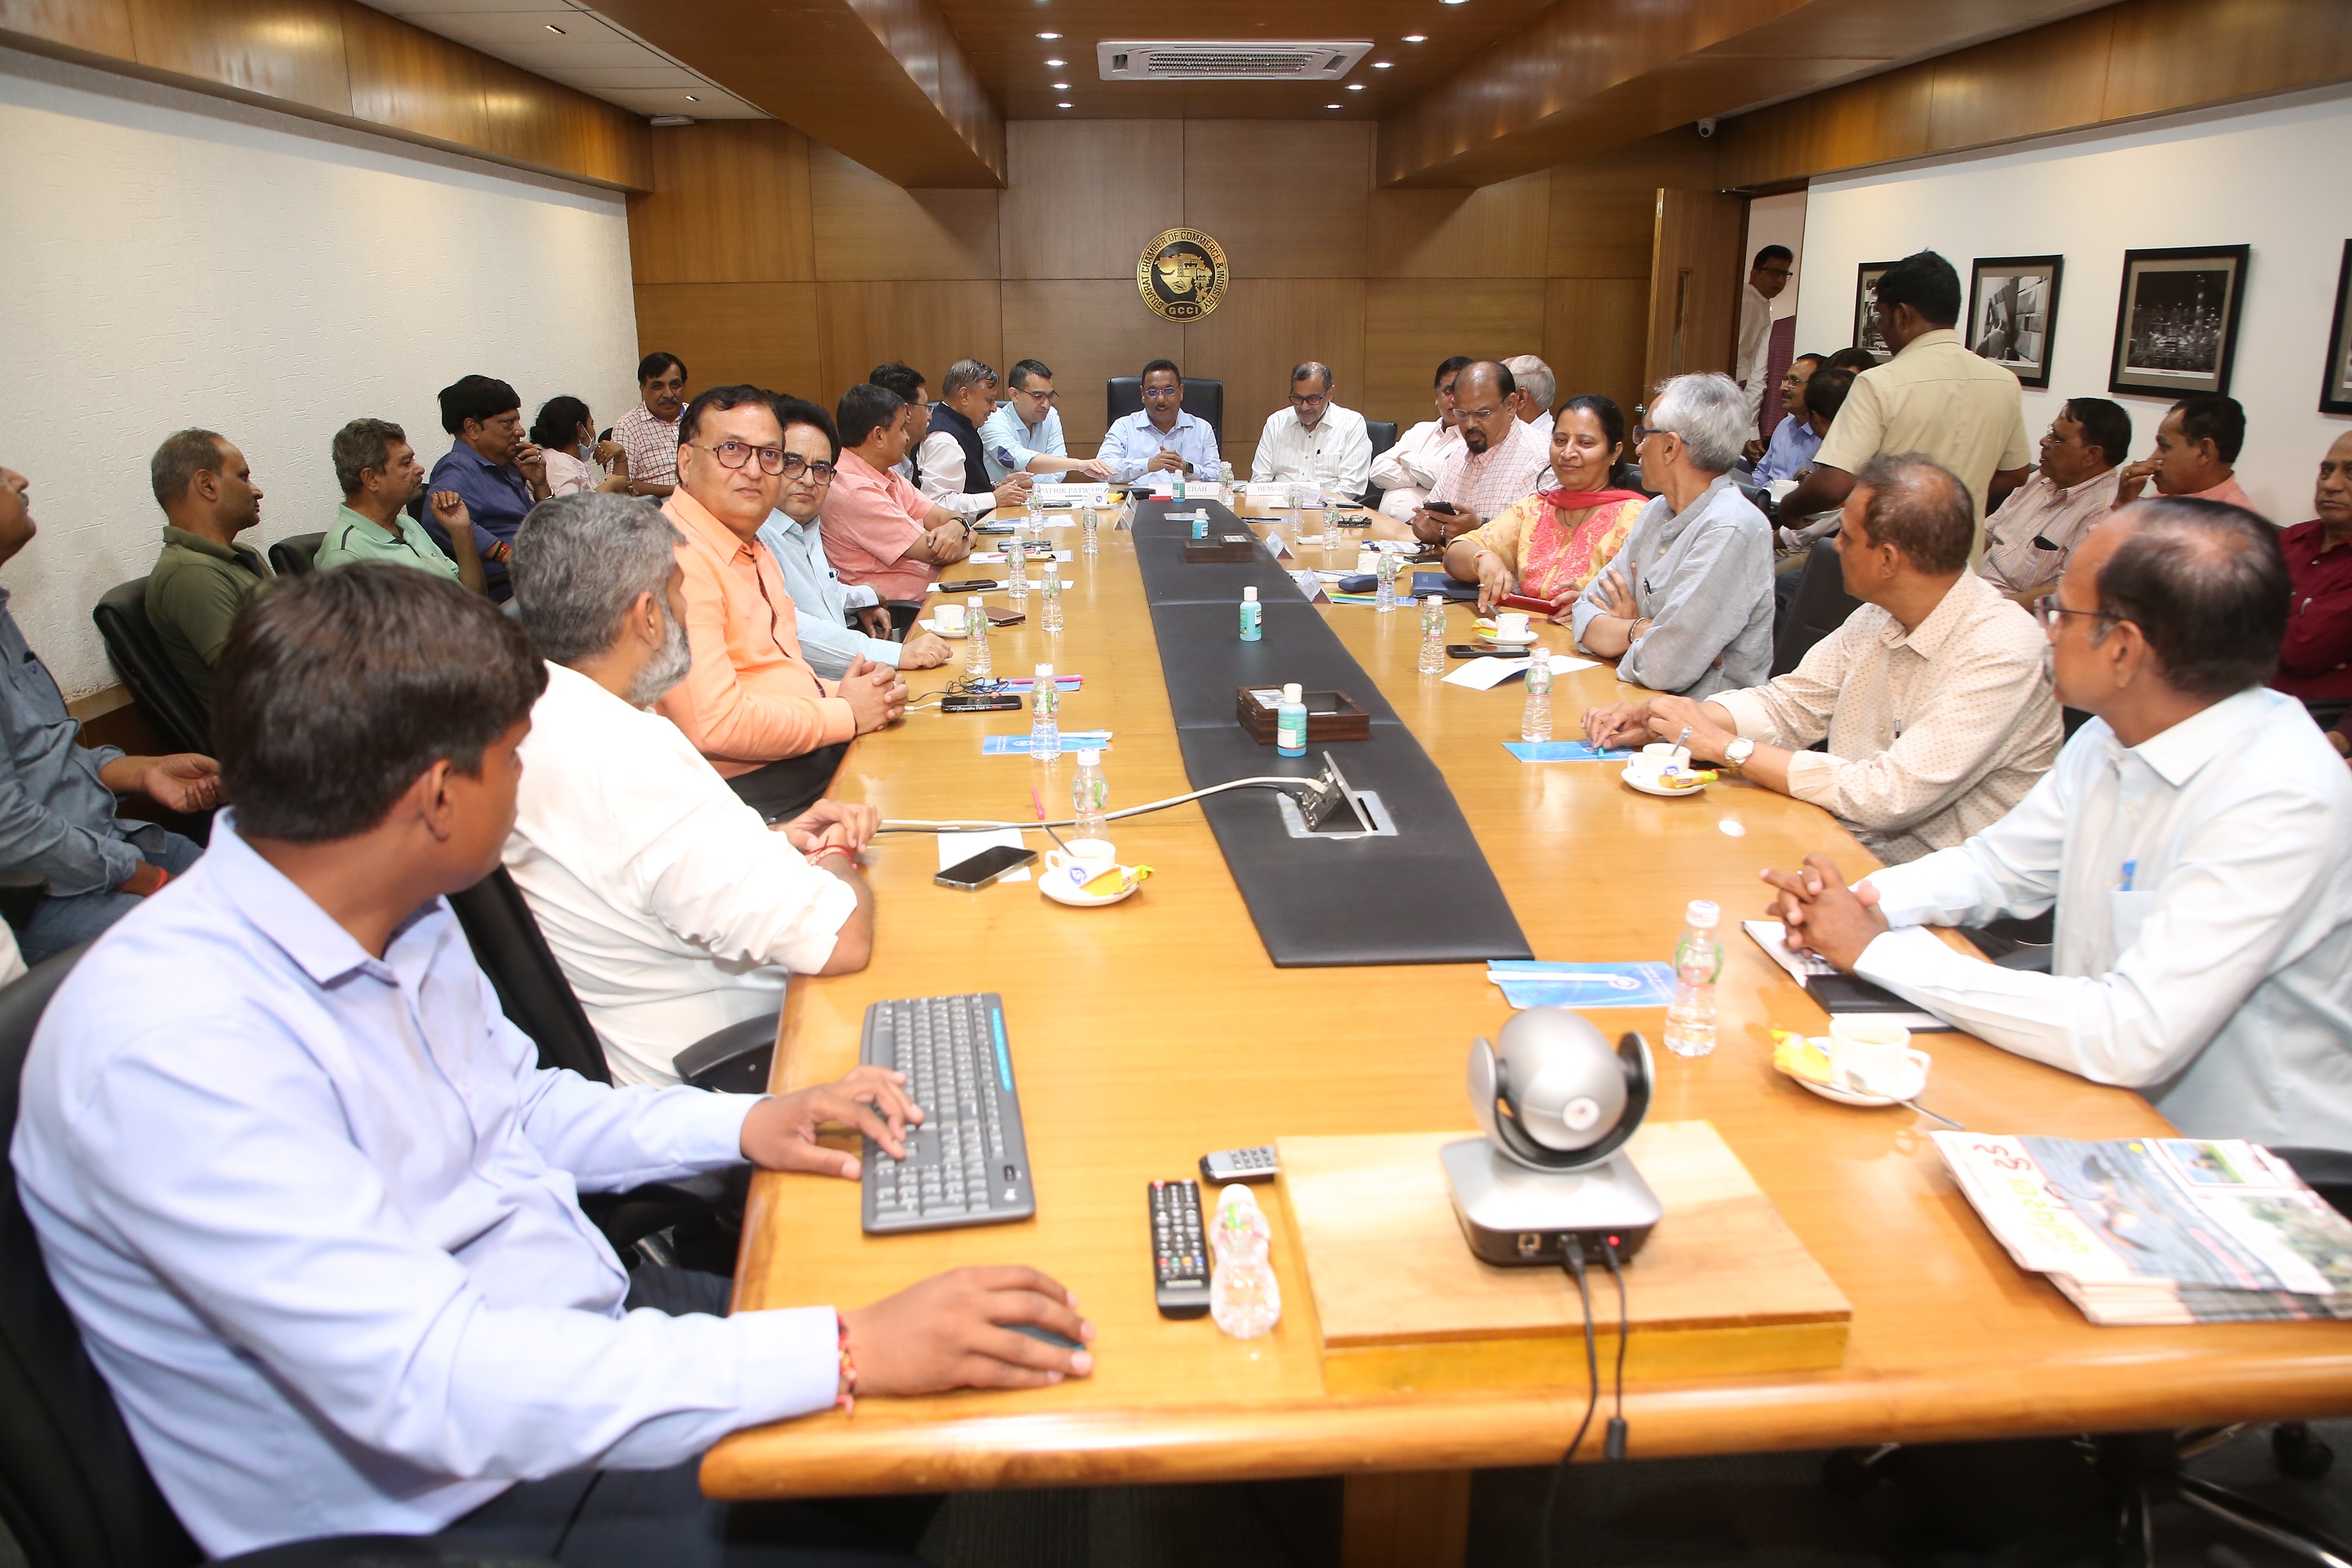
{"type": "Point", "coordinates": [2160, 1230]}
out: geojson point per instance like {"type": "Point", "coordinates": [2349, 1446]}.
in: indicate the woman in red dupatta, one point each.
{"type": "Point", "coordinates": [1548, 545]}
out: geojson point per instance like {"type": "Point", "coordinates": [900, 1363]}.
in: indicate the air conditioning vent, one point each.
{"type": "Point", "coordinates": [1217, 60]}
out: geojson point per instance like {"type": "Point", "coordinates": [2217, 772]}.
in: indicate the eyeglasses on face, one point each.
{"type": "Point", "coordinates": [1642, 432]}
{"type": "Point", "coordinates": [795, 464]}
{"type": "Point", "coordinates": [1774, 271]}
{"type": "Point", "coordinates": [2050, 612]}
{"type": "Point", "coordinates": [1033, 395]}
{"type": "Point", "coordinates": [1162, 393]}
{"type": "Point", "coordinates": [1309, 399]}
{"type": "Point", "coordinates": [735, 454]}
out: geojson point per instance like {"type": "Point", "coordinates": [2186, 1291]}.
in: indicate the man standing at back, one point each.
{"type": "Point", "coordinates": [648, 432]}
{"type": "Point", "coordinates": [1767, 275]}
{"type": "Point", "coordinates": [773, 729]}
{"type": "Point", "coordinates": [1315, 441]}
{"type": "Point", "coordinates": [1934, 397]}
{"type": "Point", "coordinates": [204, 576]}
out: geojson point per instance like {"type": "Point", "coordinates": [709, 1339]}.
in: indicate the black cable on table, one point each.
{"type": "Point", "coordinates": [1614, 1446]}
{"type": "Point", "coordinates": [1573, 1260]}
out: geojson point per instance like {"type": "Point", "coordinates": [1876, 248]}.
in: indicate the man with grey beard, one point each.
{"type": "Point", "coordinates": [674, 909]}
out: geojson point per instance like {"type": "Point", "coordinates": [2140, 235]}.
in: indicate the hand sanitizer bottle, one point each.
{"type": "Point", "coordinates": [1249, 615]}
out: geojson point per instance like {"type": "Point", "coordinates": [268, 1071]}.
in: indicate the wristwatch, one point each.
{"type": "Point", "coordinates": [1736, 752]}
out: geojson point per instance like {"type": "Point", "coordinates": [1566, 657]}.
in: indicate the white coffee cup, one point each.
{"type": "Point", "coordinates": [1511, 626]}
{"type": "Point", "coordinates": [1653, 758]}
{"type": "Point", "coordinates": [950, 618]}
{"type": "Point", "coordinates": [1084, 858]}
{"type": "Point", "coordinates": [1870, 1056]}
{"type": "Point", "coordinates": [1367, 561]}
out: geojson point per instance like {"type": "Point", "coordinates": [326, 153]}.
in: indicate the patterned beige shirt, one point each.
{"type": "Point", "coordinates": [1488, 481]}
{"type": "Point", "coordinates": [1932, 733]}
{"type": "Point", "coordinates": [2028, 540]}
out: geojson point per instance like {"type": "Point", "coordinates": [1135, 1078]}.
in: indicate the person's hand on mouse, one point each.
{"type": "Point", "coordinates": [950, 1332]}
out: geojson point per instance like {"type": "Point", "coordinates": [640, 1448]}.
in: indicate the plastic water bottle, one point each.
{"type": "Point", "coordinates": [1089, 521]}
{"type": "Point", "coordinates": [1250, 611]}
{"type": "Point", "coordinates": [1050, 588]}
{"type": "Point", "coordinates": [1245, 1300]}
{"type": "Point", "coordinates": [1016, 571]}
{"type": "Point", "coordinates": [1036, 514]}
{"type": "Point", "coordinates": [1698, 959]}
{"type": "Point", "coordinates": [1290, 722]}
{"type": "Point", "coordinates": [1089, 797]}
{"type": "Point", "coordinates": [1535, 723]}
{"type": "Point", "coordinates": [1432, 636]}
{"type": "Point", "coordinates": [1045, 715]}
{"type": "Point", "coordinates": [1385, 572]}
{"type": "Point", "coordinates": [976, 659]}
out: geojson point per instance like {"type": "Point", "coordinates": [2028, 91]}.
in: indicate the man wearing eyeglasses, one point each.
{"type": "Point", "coordinates": [1162, 438]}
{"type": "Point", "coordinates": [794, 538]}
{"type": "Point", "coordinates": [751, 702]}
{"type": "Point", "coordinates": [2193, 838]}
{"type": "Point", "coordinates": [1315, 441]}
{"type": "Point", "coordinates": [1767, 277]}
{"type": "Point", "coordinates": [879, 529]}
{"type": "Point", "coordinates": [1025, 434]}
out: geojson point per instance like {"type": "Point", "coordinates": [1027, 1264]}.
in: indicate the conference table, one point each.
{"type": "Point", "coordinates": [1149, 1033]}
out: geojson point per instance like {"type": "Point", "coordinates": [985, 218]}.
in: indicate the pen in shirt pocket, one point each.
{"type": "Point", "coordinates": [2131, 869]}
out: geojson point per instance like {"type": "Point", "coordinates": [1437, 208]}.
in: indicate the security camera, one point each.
{"type": "Point", "coordinates": [1706, 126]}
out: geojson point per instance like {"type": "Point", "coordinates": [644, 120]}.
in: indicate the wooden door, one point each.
{"type": "Point", "coordinates": [1695, 280]}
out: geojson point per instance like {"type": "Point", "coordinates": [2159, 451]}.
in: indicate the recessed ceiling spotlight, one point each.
{"type": "Point", "coordinates": [1049, 38]}
{"type": "Point", "coordinates": [1355, 87]}
{"type": "Point", "coordinates": [1416, 37]}
{"type": "Point", "coordinates": [553, 29]}
{"type": "Point", "coordinates": [1062, 106]}
{"type": "Point", "coordinates": [1379, 65]}
{"type": "Point", "coordinates": [1061, 87]}
{"type": "Point", "coordinates": [1330, 105]}
{"type": "Point", "coordinates": [1057, 65]}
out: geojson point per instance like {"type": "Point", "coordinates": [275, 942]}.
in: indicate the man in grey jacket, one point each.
{"type": "Point", "coordinates": [79, 866]}
{"type": "Point", "coordinates": [1686, 605]}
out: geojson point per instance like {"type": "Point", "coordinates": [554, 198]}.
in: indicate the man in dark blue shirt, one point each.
{"type": "Point", "coordinates": [493, 465]}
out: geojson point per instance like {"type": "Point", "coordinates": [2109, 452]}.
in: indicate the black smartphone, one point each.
{"type": "Point", "coordinates": [993, 528]}
{"type": "Point", "coordinates": [1447, 506]}
{"type": "Point", "coordinates": [976, 704]}
{"type": "Point", "coordinates": [984, 868]}
{"type": "Point", "coordinates": [1467, 650]}
{"type": "Point", "coordinates": [972, 585]}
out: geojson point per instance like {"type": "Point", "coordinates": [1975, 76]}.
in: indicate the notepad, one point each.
{"type": "Point", "coordinates": [1485, 674]}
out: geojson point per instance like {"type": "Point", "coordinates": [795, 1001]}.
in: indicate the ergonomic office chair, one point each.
{"type": "Point", "coordinates": [1821, 606]}
{"type": "Point", "coordinates": [73, 1491]}
{"type": "Point", "coordinates": [139, 658]}
{"type": "Point", "coordinates": [1383, 432]}
{"type": "Point", "coordinates": [1204, 399]}
{"type": "Point", "coordinates": [534, 994]}
{"type": "Point", "coordinates": [290, 556]}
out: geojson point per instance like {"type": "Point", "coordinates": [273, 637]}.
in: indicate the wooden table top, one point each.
{"type": "Point", "coordinates": [1149, 1033]}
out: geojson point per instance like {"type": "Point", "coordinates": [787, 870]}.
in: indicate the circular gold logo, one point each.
{"type": "Point", "coordinates": [1182, 274]}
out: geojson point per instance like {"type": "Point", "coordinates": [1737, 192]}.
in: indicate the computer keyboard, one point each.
{"type": "Point", "coordinates": [967, 1163]}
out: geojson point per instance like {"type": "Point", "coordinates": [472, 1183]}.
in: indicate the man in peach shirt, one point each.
{"type": "Point", "coordinates": [773, 729]}
{"type": "Point", "coordinates": [879, 529]}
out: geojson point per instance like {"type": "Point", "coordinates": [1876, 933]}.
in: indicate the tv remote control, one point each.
{"type": "Point", "coordinates": [1178, 1250]}
{"type": "Point", "coordinates": [1258, 1164]}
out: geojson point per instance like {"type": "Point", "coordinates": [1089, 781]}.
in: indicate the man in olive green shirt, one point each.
{"type": "Point", "coordinates": [204, 576]}
{"type": "Point", "coordinates": [380, 475]}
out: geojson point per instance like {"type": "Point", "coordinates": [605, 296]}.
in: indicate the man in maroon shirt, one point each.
{"type": "Point", "coordinates": [2316, 664]}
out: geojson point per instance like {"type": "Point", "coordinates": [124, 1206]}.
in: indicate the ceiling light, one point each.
{"type": "Point", "coordinates": [1057, 65]}
{"type": "Point", "coordinates": [1355, 87]}
{"type": "Point", "coordinates": [1062, 106]}
{"type": "Point", "coordinates": [1061, 87]}
{"type": "Point", "coordinates": [1416, 37]}
{"type": "Point", "coordinates": [1330, 105]}
{"type": "Point", "coordinates": [691, 99]}
{"type": "Point", "coordinates": [1379, 65]}
{"type": "Point", "coordinates": [553, 29]}
{"type": "Point", "coordinates": [1049, 38]}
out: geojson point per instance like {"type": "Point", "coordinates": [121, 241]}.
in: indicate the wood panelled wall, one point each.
{"type": "Point", "coordinates": [2128, 61]}
{"type": "Point", "coordinates": [763, 257]}
{"type": "Point", "coordinates": [340, 61]}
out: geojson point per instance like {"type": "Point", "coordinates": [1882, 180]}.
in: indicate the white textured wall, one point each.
{"type": "Point", "coordinates": [2273, 178]}
{"type": "Point", "coordinates": [176, 261]}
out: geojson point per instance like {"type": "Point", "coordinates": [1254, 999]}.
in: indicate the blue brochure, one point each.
{"type": "Point", "coordinates": [1539, 984]}
{"type": "Point", "coordinates": [1561, 751]}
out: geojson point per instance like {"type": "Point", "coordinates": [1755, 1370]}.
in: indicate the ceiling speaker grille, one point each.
{"type": "Point", "coordinates": [1194, 60]}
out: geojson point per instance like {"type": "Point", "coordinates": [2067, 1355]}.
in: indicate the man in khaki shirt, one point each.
{"type": "Point", "coordinates": [1932, 696]}
{"type": "Point", "coordinates": [1934, 397]}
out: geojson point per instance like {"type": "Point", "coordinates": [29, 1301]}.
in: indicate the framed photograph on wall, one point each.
{"type": "Point", "coordinates": [2336, 397]}
{"type": "Point", "coordinates": [2177, 322]}
{"type": "Point", "coordinates": [2013, 311]}
{"type": "Point", "coordinates": [1866, 334]}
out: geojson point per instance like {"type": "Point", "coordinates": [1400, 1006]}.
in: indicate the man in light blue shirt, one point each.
{"type": "Point", "coordinates": [1025, 434]}
{"type": "Point", "coordinates": [1162, 438]}
{"type": "Point", "coordinates": [312, 1200]}
{"type": "Point", "coordinates": [793, 537]}
{"type": "Point", "coordinates": [1794, 439]}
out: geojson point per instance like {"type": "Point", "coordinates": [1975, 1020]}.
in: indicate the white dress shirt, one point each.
{"type": "Point", "coordinates": [2204, 930]}
{"type": "Point", "coordinates": [1335, 456]}
{"type": "Point", "coordinates": [1406, 471]}
{"type": "Point", "coordinates": [315, 1213]}
{"type": "Point", "coordinates": [938, 470]}
{"type": "Point", "coordinates": [1755, 347]}
{"type": "Point", "coordinates": [673, 909]}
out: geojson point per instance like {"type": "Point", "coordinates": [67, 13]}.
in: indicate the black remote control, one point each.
{"type": "Point", "coordinates": [1180, 1255]}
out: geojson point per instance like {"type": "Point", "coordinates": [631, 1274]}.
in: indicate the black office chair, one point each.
{"type": "Point", "coordinates": [1383, 432]}
{"type": "Point", "coordinates": [290, 556]}
{"type": "Point", "coordinates": [534, 994]}
{"type": "Point", "coordinates": [1204, 399]}
{"type": "Point", "coordinates": [1821, 606]}
{"type": "Point", "coordinates": [139, 658]}
{"type": "Point", "coordinates": [73, 1491]}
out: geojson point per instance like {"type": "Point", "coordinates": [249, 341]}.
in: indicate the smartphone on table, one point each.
{"type": "Point", "coordinates": [984, 868]}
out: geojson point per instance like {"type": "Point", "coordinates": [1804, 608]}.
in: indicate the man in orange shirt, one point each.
{"type": "Point", "coordinates": [2196, 445]}
{"type": "Point", "coordinates": [879, 529]}
{"type": "Point", "coordinates": [773, 728]}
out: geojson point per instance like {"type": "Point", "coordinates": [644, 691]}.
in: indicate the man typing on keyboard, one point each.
{"type": "Point", "coordinates": [314, 1203]}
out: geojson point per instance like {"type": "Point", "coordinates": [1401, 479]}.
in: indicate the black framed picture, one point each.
{"type": "Point", "coordinates": [1866, 334]}
{"type": "Point", "coordinates": [2177, 321]}
{"type": "Point", "coordinates": [2014, 312]}
{"type": "Point", "coordinates": [2335, 396]}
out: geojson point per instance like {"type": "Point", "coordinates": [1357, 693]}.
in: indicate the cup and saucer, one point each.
{"type": "Point", "coordinates": [1511, 628]}
{"type": "Point", "coordinates": [1068, 870]}
{"type": "Point", "coordinates": [1871, 1062]}
{"type": "Point", "coordinates": [951, 621]}
{"type": "Point", "coordinates": [1664, 770]}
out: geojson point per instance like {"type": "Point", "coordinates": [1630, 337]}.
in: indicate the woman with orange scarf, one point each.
{"type": "Point", "coordinates": [1548, 545]}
